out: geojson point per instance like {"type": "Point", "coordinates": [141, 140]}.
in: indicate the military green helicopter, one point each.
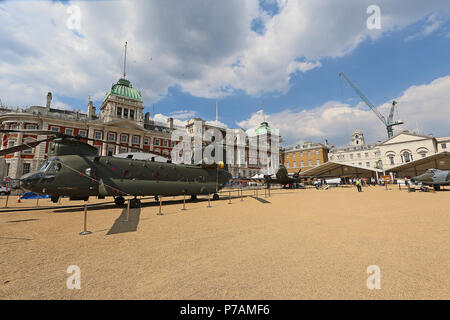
{"type": "Point", "coordinates": [433, 177]}
{"type": "Point", "coordinates": [74, 169]}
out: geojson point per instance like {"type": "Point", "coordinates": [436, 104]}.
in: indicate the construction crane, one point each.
{"type": "Point", "coordinates": [389, 123]}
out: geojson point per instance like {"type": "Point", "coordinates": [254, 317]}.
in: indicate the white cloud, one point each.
{"type": "Point", "coordinates": [183, 114]}
{"type": "Point", "coordinates": [206, 50]}
{"type": "Point", "coordinates": [433, 24]}
{"type": "Point", "coordinates": [423, 105]}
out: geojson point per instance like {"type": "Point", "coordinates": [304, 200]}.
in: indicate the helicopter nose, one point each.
{"type": "Point", "coordinates": [27, 180]}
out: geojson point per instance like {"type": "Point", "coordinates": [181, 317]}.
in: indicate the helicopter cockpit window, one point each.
{"type": "Point", "coordinates": [44, 166]}
{"type": "Point", "coordinates": [54, 167]}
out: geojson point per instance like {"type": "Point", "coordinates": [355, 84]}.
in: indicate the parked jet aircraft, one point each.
{"type": "Point", "coordinates": [433, 177]}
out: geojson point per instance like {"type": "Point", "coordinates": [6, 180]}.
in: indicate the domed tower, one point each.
{"type": "Point", "coordinates": [357, 138]}
{"type": "Point", "coordinates": [122, 102]}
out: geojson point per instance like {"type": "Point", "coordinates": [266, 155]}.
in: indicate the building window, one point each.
{"type": "Point", "coordinates": [69, 131]}
{"type": "Point", "coordinates": [124, 138]}
{"type": "Point", "coordinates": [28, 151]}
{"type": "Point", "coordinates": [331, 158]}
{"type": "Point", "coordinates": [172, 144]}
{"type": "Point", "coordinates": [54, 129]}
{"type": "Point", "coordinates": [156, 142]}
{"type": "Point", "coordinates": [31, 126]}
{"type": "Point", "coordinates": [111, 136]}
{"type": "Point", "coordinates": [98, 134]}
{"type": "Point", "coordinates": [423, 154]}
{"type": "Point", "coordinates": [391, 159]}
{"type": "Point", "coordinates": [26, 168]}
{"type": "Point", "coordinates": [351, 156]}
{"type": "Point", "coordinates": [10, 143]}
{"type": "Point", "coordinates": [295, 164]}
{"type": "Point", "coordinates": [110, 151]}
{"type": "Point", "coordinates": [165, 143]}
{"type": "Point", "coordinates": [309, 163]}
{"type": "Point", "coordinates": [318, 162]}
{"type": "Point", "coordinates": [359, 163]}
{"type": "Point", "coordinates": [309, 153]}
{"type": "Point", "coordinates": [135, 139]}
{"type": "Point", "coordinates": [287, 165]}
{"type": "Point", "coordinates": [146, 141]}
{"type": "Point", "coordinates": [119, 111]}
{"type": "Point", "coordinates": [359, 155]}
{"type": "Point", "coordinates": [123, 150]}
{"type": "Point", "coordinates": [367, 164]}
{"type": "Point", "coordinates": [82, 133]}
{"type": "Point", "coordinates": [125, 113]}
{"type": "Point", "coordinates": [406, 157]}
{"type": "Point", "coordinates": [302, 164]}
{"type": "Point", "coordinates": [131, 114]}
{"type": "Point", "coordinates": [443, 145]}
{"type": "Point", "coordinates": [317, 152]}
{"type": "Point", "coordinates": [366, 154]}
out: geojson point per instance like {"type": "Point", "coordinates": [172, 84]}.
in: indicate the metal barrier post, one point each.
{"type": "Point", "coordinates": [229, 197]}
{"type": "Point", "coordinates": [85, 231]}
{"type": "Point", "coordinates": [241, 195]}
{"type": "Point", "coordinates": [265, 193]}
{"type": "Point", "coordinates": [160, 206]}
{"type": "Point", "coordinates": [209, 200]}
{"type": "Point", "coordinates": [6, 203]}
{"type": "Point", "coordinates": [256, 190]}
{"type": "Point", "coordinates": [37, 200]}
{"type": "Point", "coordinates": [184, 201]}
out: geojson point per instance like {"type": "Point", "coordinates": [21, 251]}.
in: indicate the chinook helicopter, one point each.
{"type": "Point", "coordinates": [433, 177]}
{"type": "Point", "coordinates": [74, 169]}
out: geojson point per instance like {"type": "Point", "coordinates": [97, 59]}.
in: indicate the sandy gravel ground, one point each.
{"type": "Point", "coordinates": [296, 244]}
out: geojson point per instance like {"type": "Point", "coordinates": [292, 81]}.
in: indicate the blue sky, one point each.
{"type": "Point", "coordinates": [184, 57]}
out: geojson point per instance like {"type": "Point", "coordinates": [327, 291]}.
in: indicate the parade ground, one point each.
{"type": "Point", "coordinates": [295, 244]}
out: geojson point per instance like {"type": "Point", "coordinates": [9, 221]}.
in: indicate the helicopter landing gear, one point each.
{"type": "Point", "coordinates": [194, 197]}
{"type": "Point", "coordinates": [215, 197]}
{"type": "Point", "coordinates": [156, 198]}
{"type": "Point", "coordinates": [437, 187]}
{"type": "Point", "coordinates": [54, 199]}
{"type": "Point", "coordinates": [119, 200]}
{"type": "Point", "coordinates": [135, 203]}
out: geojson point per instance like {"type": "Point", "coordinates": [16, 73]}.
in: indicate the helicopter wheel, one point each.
{"type": "Point", "coordinates": [194, 197]}
{"type": "Point", "coordinates": [437, 187]}
{"type": "Point", "coordinates": [54, 199]}
{"type": "Point", "coordinates": [215, 197]}
{"type": "Point", "coordinates": [119, 200]}
{"type": "Point", "coordinates": [156, 198]}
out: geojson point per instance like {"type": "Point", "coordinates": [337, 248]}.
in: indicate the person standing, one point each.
{"type": "Point", "coordinates": [358, 185]}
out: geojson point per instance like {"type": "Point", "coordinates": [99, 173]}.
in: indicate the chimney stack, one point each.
{"type": "Point", "coordinates": [49, 100]}
{"type": "Point", "coordinates": [91, 110]}
{"type": "Point", "coordinates": [170, 122]}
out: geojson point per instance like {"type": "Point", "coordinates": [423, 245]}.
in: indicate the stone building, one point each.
{"type": "Point", "coordinates": [402, 148]}
{"type": "Point", "coordinates": [120, 120]}
{"type": "Point", "coordinates": [305, 156]}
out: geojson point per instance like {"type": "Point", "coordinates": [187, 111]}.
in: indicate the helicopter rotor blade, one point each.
{"type": "Point", "coordinates": [24, 146]}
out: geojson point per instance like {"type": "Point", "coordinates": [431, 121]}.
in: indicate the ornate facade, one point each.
{"type": "Point", "coordinates": [120, 120]}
